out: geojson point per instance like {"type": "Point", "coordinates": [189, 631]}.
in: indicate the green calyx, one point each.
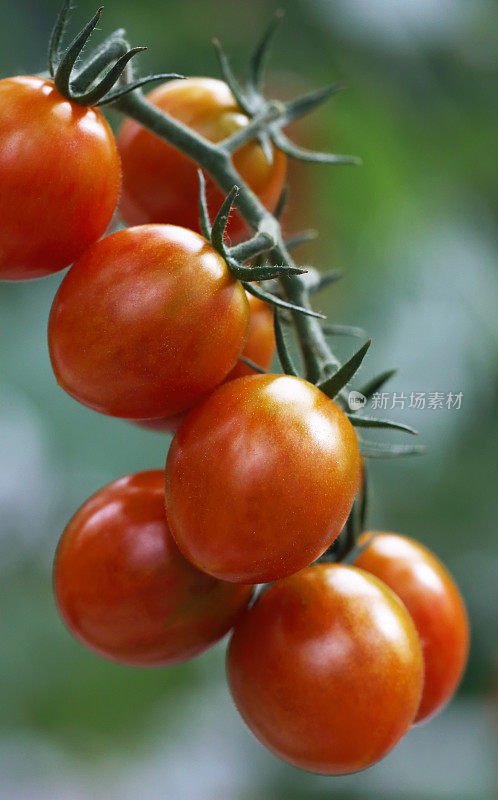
{"type": "Point", "coordinates": [234, 256]}
{"type": "Point", "coordinates": [268, 117]}
{"type": "Point", "coordinates": [101, 77]}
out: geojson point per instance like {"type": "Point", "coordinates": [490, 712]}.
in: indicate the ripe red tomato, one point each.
{"type": "Point", "coordinates": [160, 184]}
{"type": "Point", "coordinates": [326, 669]}
{"type": "Point", "coordinates": [147, 321]}
{"type": "Point", "coordinates": [433, 600]}
{"type": "Point", "coordinates": [59, 178]}
{"type": "Point", "coordinates": [260, 478]}
{"type": "Point", "coordinates": [259, 347]}
{"type": "Point", "coordinates": [124, 589]}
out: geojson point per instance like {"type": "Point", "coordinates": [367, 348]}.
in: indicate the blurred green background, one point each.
{"type": "Point", "coordinates": [413, 231]}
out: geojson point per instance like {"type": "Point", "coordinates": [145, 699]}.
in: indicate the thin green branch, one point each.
{"type": "Point", "coordinates": [250, 363]}
{"type": "Point", "coordinates": [252, 247]}
{"type": "Point", "coordinates": [318, 358]}
{"type": "Point", "coordinates": [283, 351]}
{"type": "Point", "coordinates": [270, 112]}
{"type": "Point", "coordinates": [204, 219]}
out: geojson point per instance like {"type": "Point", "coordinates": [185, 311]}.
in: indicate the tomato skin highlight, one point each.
{"type": "Point", "coordinates": [146, 322]}
{"type": "Point", "coordinates": [60, 176]}
{"type": "Point", "coordinates": [124, 589]}
{"type": "Point", "coordinates": [326, 669]}
{"type": "Point", "coordinates": [160, 184]}
{"type": "Point", "coordinates": [432, 598]}
{"type": "Point", "coordinates": [260, 478]}
{"type": "Point", "coordinates": [259, 347]}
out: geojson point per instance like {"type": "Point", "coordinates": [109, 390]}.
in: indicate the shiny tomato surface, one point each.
{"type": "Point", "coordinates": [160, 184]}
{"type": "Point", "coordinates": [59, 178]}
{"type": "Point", "coordinates": [259, 347]}
{"type": "Point", "coordinates": [260, 478]}
{"type": "Point", "coordinates": [146, 322]}
{"type": "Point", "coordinates": [124, 589]}
{"type": "Point", "coordinates": [326, 669]}
{"type": "Point", "coordinates": [435, 604]}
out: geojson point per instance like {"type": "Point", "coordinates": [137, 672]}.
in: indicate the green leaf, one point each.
{"type": "Point", "coordinates": [271, 299]}
{"type": "Point", "coordinates": [315, 281]}
{"type": "Point", "coordinates": [303, 105]}
{"type": "Point", "coordinates": [111, 48]}
{"type": "Point", "coordinates": [376, 383]}
{"type": "Point", "coordinates": [343, 330]}
{"type": "Point", "coordinates": [67, 61]}
{"type": "Point", "coordinates": [282, 348]}
{"type": "Point", "coordinates": [259, 57]}
{"type": "Point", "coordinates": [221, 219]}
{"type": "Point", "coordinates": [375, 422]}
{"type": "Point", "coordinates": [54, 45]}
{"type": "Point", "coordinates": [263, 273]}
{"type": "Point", "coordinates": [98, 93]}
{"type": "Point", "coordinates": [383, 450]}
{"type": "Point", "coordinates": [110, 97]}
{"type": "Point", "coordinates": [300, 238]}
{"type": "Point", "coordinates": [230, 78]}
{"type": "Point", "coordinates": [293, 151]}
{"type": "Point", "coordinates": [333, 385]}
{"type": "Point", "coordinates": [282, 201]}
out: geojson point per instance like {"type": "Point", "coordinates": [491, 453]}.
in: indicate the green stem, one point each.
{"type": "Point", "coordinates": [319, 360]}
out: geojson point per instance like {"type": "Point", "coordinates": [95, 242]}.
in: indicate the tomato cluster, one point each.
{"type": "Point", "coordinates": [332, 664]}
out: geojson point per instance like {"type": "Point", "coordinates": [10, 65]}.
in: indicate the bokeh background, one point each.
{"type": "Point", "coordinates": [413, 231]}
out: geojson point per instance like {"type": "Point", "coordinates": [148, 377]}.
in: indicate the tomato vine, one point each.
{"type": "Point", "coordinates": [265, 480]}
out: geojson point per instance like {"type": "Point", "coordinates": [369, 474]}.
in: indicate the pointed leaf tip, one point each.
{"type": "Point", "coordinates": [376, 422]}
{"type": "Point", "coordinates": [333, 385]}
{"type": "Point", "coordinates": [221, 219]}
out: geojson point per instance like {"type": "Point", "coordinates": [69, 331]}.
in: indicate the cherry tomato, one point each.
{"type": "Point", "coordinates": [160, 184]}
{"type": "Point", "coordinates": [326, 669]}
{"type": "Point", "coordinates": [260, 478]}
{"type": "Point", "coordinates": [259, 347]}
{"type": "Point", "coordinates": [146, 322]}
{"type": "Point", "coordinates": [59, 178]}
{"type": "Point", "coordinates": [124, 589]}
{"type": "Point", "coordinates": [433, 600]}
